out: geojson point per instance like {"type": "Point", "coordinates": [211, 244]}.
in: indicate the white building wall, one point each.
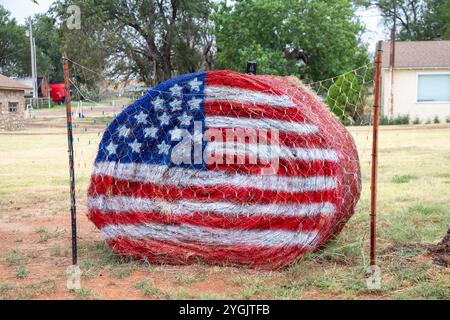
{"type": "Point", "coordinates": [405, 96]}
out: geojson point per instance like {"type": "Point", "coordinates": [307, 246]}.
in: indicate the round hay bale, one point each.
{"type": "Point", "coordinates": [224, 168]}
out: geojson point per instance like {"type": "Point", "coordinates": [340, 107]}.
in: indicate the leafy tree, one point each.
{"type": "Point", "coordinates": [15, 58]}
{"type": "Point", "coordinates": [282, 34]}
{"type": "Point", "coordinates": [151, 39]}
{"type": "Point", "coordinates": [48, 54]}
{"type": "Point", "coordinates": [417, 19]}
{"type": "Point", "coordinates": [88, 46]}
{"type": "Point", "coordinates": [437, 19]}
{"type": "Point", "coordinates": [346, 98]}
{"type": "Point", "coordinates": [14, 46]}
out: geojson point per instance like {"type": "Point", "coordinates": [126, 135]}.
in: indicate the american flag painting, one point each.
{"type": "Point", "coordinates": [289, 193]}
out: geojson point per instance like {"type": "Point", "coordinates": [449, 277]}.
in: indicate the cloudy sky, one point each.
{"type": "Point", "coordinates": [21, 9]}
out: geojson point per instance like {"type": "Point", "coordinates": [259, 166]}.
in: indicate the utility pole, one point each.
{"type": "Point", "coordinates": [392, 60]}
{"type": "Point", "coordinates": [33, 60]}
{"type": "Point", "coordinates": [35, 69]}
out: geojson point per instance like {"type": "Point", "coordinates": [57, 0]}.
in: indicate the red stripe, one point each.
{"type": "Point", "coordinates": [253, 111]}
{"type": "Point", "coordinates": [228, 78]}
{"type": "Point", "coordinates": [212, 220]}
{"type": "Point", "coordinates": [176, 253]}
{"type": "Point", "coordinates": [297, 168]}
{"type": "Point", "coordinates": [106, 185]}
{"type": "Point", "coordinates": [287, 139]}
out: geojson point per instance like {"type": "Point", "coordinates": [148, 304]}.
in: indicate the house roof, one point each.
{"type": "Point", "coordinates": [10, 84]}
{"type": "Point", "coordinates": [418, 54]}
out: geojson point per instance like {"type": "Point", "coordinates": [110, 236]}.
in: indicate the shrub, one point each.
{"type": "Point", "coordinates": [345, 98]}
{"type": "Point", "coordinates": [403, 179]}
{"type": "Point", "coordinates": [384, 121]}
{"type": "Point", "coordinates": [416, 120]}
{"type": "Point", "coordinates": [436, 119]}
{"type": "Point", "coordinates": [399, 120]}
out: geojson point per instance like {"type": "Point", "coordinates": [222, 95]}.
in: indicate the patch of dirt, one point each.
{"type": "Point", "coordinates": [406, 246]}
{"type": "Point", "coordinates": [441, 251]}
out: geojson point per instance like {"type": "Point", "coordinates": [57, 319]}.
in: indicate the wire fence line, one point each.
{"type": "Point", "coordinates": [89, 129]}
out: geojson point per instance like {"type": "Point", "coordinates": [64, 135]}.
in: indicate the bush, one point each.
{"type": "Point", "coordinates": [345, 99]}
{"type": "Point", "coordinates": [384, 121]}
{"type": "Point", "coordinates": [416, 120]}
{"type": "Point", "coordinates": [436, 119]}
{"type": "Point", "coordinates": [399, 120]}
{"type": "Point", "coordinates": [447, 120]}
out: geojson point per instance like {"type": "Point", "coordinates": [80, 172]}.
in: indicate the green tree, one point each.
{"type": "Point", "coordinates": [88, 46]}
{"type": "Point", "coordinates": [437, 19]}
{"type": "Point", "coordinates": [416, 19]}
{"type": "Point", "coordinates": [48, 48]}
{"type": "Point", "coordinates": [14, 46]}
{"type": "Point", "coordinates": [282, 34]}
{"type": "Point", "coordinates": [150, 39]}
{"type": "Point", "coordinates": [15, 58]}
{"type": "Point", "coordinates": [345, 98]}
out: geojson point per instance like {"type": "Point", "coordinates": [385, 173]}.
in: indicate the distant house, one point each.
{"type": "Point", "coordinates": [42, 84]}
{"type": "Point", "coordinates": [421, 86]}
{"type": "Point", "coordinates": [12, 103]}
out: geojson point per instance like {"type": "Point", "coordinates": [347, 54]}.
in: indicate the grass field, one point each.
{"type": "Point", "coordinates": [414, 197]}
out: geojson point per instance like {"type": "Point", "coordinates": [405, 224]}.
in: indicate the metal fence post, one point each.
{"type": "Point", "coordinates": [73, 272]}
{"type": "Point", "coordinates": [73, 209]}
{"type": "Point", "coordinates": [374, 281]}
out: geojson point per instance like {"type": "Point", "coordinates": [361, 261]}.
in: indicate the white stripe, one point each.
{"type": "Point", "coordinates": [220, 93]}
{"type": "Point", "coordinates": [164, 175]}
{"type": "Point", "coordinates": [260, 124]}
{"type": "Point", "coordinates": [270, 152]}
{"type": "Point", "coordinates": [214, 236]}
{"type": "Point", "coordinates": [130, 204]}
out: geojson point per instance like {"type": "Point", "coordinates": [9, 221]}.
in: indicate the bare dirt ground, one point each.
{"type": "Point", "coordinates": [441, 251]}
{"type": "Point", "coordinates": [35, 228]}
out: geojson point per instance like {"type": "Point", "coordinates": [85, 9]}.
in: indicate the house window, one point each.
{"type": "Point", "coordinates": [433, 87]}
{"type": "Point", "coordinates": [12, 106]}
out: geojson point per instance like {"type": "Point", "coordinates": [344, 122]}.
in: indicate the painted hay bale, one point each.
{"type": "Point", "coordinates": [224, 168]}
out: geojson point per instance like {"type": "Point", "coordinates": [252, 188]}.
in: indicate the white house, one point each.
{"type": "Point", "coordinates": [421, 80]}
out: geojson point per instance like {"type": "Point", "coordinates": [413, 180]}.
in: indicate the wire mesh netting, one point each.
{"type": "Point", "coordinates": [220, 167]}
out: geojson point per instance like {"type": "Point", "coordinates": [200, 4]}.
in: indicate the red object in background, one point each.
{"type": "Point", "coordinates": [57, 92]}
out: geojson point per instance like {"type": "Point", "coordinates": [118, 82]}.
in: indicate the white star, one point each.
{"type": "Point", "coordinates": [176, 90]}
{"type": "Point", "coordinates": [163, 148]}
{"type": "Point", "coordinates": [150, 132]}
{"type": "Point", "coordinates": [164, 118]}
{"type": "Point", "coordinates": [176, 105]}
{"type": "Point", "coordinates": [195, 84]}
{"type": "Point", "coordinates": [135, 146]}
{"type": "Point", "coordinates": [124, 131]}
{"type": "Point", "coordinates": [158, 103]}
{"type": "Point", "coordinates": [185, 120]}
{"type": "Point", "coordinates": [194, 103]}
{"type": "Point", "coordinates": [112, 148]}
{"type": "Point", "coordinates": [175, 133]}
{"type": "Point", "coordinates": [141, 118]}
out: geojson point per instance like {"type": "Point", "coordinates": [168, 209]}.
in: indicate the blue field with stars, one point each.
{"type": "Point", "coordinates": [147, 130]}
